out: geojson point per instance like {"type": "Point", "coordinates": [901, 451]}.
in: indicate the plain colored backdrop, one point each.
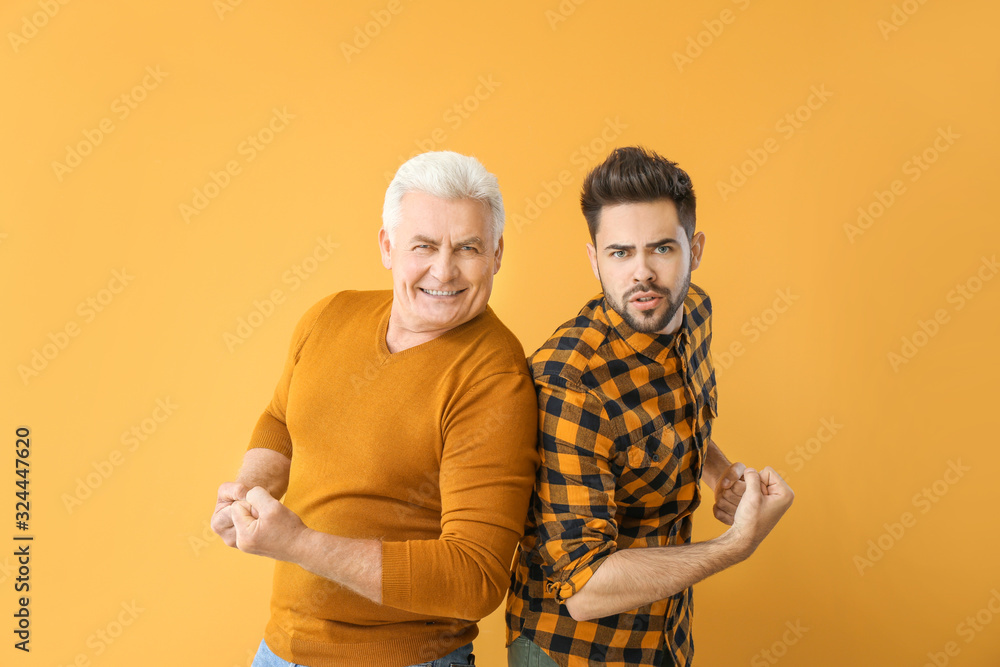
{"type": "Point", "coordinates": [182, 180]}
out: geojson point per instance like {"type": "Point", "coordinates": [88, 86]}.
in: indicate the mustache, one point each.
{"type": "Point", "coordinates": [662, 291]}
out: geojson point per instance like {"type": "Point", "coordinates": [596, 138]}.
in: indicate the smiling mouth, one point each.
{"type": "Point", "coordinates": [435, 292]}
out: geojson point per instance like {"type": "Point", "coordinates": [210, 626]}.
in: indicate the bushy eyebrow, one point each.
{"type": "Point", "coordinates": [654, 244]}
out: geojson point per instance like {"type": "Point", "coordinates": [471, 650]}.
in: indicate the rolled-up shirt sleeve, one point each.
{"type": "Point", "coordinates": [575, 506]}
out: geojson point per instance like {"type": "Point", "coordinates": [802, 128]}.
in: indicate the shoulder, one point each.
{"type": "Point", "coordinates": [573, 348]}
{"type": "Point", "coordinates": [698, 304]}
{"type": "Point", "coordinates": [494, 346]}
{"type": "Point", "coordinates": [339, 309]}
{"type": "Point", "coordinates": [354, 299]}
{"type": "Point", "coordinates": [346, 305]}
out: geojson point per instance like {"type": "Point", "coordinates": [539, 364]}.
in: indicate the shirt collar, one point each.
{"type": "Point", "coordinates": [654, 346]}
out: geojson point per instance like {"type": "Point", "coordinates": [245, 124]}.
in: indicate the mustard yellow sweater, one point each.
{"type": "Point", "coordinates": [431, 450]}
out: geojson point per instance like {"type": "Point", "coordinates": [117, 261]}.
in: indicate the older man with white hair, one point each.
{"type": "Point", "coordinates": [402, 433]}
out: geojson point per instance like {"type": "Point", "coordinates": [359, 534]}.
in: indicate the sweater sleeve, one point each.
{"type": "Point", "coordinates": [271, 431]}
{"type": "Point", "coordinates": [487, 474]}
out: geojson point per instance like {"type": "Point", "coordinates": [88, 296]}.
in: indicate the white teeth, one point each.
{"type": "Point", "coordinates": [440, 293]}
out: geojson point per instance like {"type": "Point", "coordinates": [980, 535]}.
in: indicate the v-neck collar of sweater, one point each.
{"type": "Point", "coordinates": [382, 348]}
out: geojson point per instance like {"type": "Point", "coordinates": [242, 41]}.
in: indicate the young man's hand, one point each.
{"type": "Point", "coordinates": [765, 500]}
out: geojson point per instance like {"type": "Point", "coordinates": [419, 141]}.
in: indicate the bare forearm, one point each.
{"type": "Point", "coordinates": [352, 563]}
{"type": "Point", "coordinates": [265, 467]}
{"type": "Point", "coordinates": [715, 466]}
{"type": "Point", "coordinates": [358, 565]}
{"type": "Point", "coordinates": [632, 578]}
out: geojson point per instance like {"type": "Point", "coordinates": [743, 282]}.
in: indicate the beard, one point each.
{"type": "Point", "coordinates": [647, 321]}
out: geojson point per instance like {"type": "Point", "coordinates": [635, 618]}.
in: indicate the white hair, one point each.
{"type": "Point", "coordinates": [447, 175]}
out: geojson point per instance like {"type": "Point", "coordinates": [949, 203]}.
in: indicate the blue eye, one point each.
{"type": "Point", "coordinates": [618, 254]}
{"type": "Point", "coordinates": [664, 248]}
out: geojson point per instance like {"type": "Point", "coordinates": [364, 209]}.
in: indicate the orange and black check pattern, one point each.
{"type": "Point", "coordinates": [625, 418]}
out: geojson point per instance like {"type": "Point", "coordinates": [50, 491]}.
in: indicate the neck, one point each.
{"type": "Point", "coordinates": [399, 335]}
{"type": "Point", "coordinates": [675, 322]}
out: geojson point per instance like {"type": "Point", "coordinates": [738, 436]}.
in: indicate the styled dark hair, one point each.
{"type": "Point", "coordinates": [633, 175]}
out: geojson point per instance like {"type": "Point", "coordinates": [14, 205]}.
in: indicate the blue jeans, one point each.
{"type": "Point", "coordinates": [460, 657]}
{"type": "Point", "coordinates": [523, 652]}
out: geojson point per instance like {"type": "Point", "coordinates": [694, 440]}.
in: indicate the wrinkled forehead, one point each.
{"type": "Point", "coordinates": [443, 220]}
{"type": "Point", "coordinates": [640, 224]}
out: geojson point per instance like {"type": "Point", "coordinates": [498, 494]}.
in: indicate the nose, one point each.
{"type": "Point", "coordinates": [444, 269]}
{"type": "Point", "coordinates": [642, 272]}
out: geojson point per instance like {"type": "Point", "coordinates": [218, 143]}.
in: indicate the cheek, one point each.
{"type": "Point", "coordinates": [615, 275]}
{"type": "Point", "coordinates": [478, 271]}
{"type": "Point", "coordinates": [670, 268]}
{"type": "Point", "coordinates": [413, 268]}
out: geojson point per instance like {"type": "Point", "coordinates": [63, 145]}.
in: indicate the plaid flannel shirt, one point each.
{"type": "Point", "coordinates": [625, 418]}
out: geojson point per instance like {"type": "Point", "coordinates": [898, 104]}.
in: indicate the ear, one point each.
{"type": "Point", "coordinates": [384, 246]}
{"type": "Point", "coordinates": [697, 247]}
{"type": "Point", "coordinates": [498, 255]}
{"type": "Point", "coordinates": [592, 254]}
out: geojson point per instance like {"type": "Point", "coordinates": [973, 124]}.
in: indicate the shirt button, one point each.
{"type": "Point", "coordinates": [656, 457]}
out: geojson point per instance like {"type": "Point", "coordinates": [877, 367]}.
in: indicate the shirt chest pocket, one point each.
{"type": "Point", "coordinates": [649, 464]}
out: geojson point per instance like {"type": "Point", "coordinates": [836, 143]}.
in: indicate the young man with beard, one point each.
{"type": "Point", "coordinates": [627, 396]}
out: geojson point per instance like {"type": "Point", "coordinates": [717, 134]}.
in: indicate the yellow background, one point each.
{"type": "Point", "coordinates": [557, 75]}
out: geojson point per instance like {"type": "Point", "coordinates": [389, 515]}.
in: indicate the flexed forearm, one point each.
{"type": "Point", "coordinates": [716, 464]}
{"type": "Point", "coordinates": [265, 467]}
{"type": "Point", "coordinates": [632, 578]}
{"type": "Point", "coordinates": [261, 467]}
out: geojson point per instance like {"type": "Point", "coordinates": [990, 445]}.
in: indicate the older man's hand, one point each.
{"type": "Point", "coordinates": [265, 527]}
{"type": "Point", "coordinates": [222, 517]}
